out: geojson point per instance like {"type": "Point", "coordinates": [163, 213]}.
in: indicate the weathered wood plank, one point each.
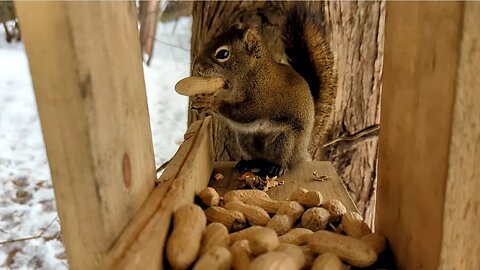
{"type": "Point", "coordinates": [461, 238]}
{"type": "Point", "coordinates": [87, 73]}
{"type": "Point", "coordinates": [300, 177]}
{"type": "Point", "coordinates": [141, 245]}
{"type": "Point", "coordinates": [430, 131]}
{"type": "Point", "coordinates": [152, 204]}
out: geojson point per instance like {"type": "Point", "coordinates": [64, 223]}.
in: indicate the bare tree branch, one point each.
{"type": "Point", "coordinates": [30, 237]}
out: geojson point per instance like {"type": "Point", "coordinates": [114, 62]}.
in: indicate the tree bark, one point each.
{"type": "Point", "coordinates": [356, 39]}
{"type": "Point", "coordinates": [355, 32]}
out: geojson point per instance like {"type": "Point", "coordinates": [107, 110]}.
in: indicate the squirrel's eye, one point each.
{"type": "Point", "coordinates": [222, 54]}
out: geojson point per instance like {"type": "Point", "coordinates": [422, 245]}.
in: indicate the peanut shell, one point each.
{"type": "Point", "coordinates": [353, 225]}
{"type": "Point", "coordinates": [233, 220]}
{"type": "Point", "coordinates": [274, 260]}
{"type": "Point", "coordinates": [328, 261]}
{"type": "Point", "coordinates": [241, 255]}
{"type": "Point", "coordinates": [336, 209]}
{"type": "Point", "coordinates": [267, 204]}
{"type": "Point", "coordinates": [216, 234]}
{"type": "Point", "coordinates": [349, 249]}
{"type": "Point", "coordinates": [209, 197]}
{"type": "Point", "coordinates": [183, 245]}
{"type": "Point", "coordinates": [218, 258]}
{"type": "Point", "coordinates": [296, 236]}
{"type": "Point", "coordinates": [315, 218]}
{"type": "Point", "coordinates": [254, 214]}
{"type": "Point", "coordinates": [191, 86]}
{"type": "Point", "coordinates": [376, 241]}
{"type": "Point", "coordinates": [260, 239]}
{"type": "Point", "coordinates": [243, 194]}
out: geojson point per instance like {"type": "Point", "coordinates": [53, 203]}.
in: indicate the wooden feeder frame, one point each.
{"type": "Point", "coordinates": [92, 104]}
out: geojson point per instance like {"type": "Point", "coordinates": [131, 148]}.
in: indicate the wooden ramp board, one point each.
{"type": "Point", "coordinates": [141, 244]}
{"type": "Point", "coordinates": [300, 177]}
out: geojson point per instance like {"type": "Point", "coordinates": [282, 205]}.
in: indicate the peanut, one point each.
{"type": "Point", "coordinates": [327, 261]}
{"type": "Point", "coordinates": [349, 249]}
{"type": "Point", "coordinates": [285, 218]}
{"type": "Point", "coordinates": [297, 193]}
{"type": "Point", "coordinates": [254, 214]}
{"type": "Point", "coordinates": [307, 198]}
{"type": "Point", "coordinates": [354, 226]}
{"type": "Point", "coordinates": [309, 256]}
{"type": "Point", "coordinates": [376, 241]}
{"type": "Point", "coordinates": [269, 205]}
{"type": "Point", "coordinates": [191, 86]}
{"type": "Point", "coordinates": [315, 218]}
{"type": "Point", "coordinates": [218, 258]}
{"type": "Point", "coordinates": [336, 209]}
{"type": "Point", "coordinates": [241, 255]}
{"type": "Point", "coordinates": [216, 234]}
{"type": "Point", "coordinates": [183, 244]}
{"type": "Point", "coordinates": [243, 194]}
{"type": "Point", "coordinates": [233, 220]}
{"type": "Point", "coordinates": [295, 252]}
{"type": "Point", "coordinates": [274, 260]}
{"type": "Point", "coordinates": [209, 197]}
{"type": "Point", "coordinates": [296, 236]}
{"type": "Point", "coordinates": [260, 239]}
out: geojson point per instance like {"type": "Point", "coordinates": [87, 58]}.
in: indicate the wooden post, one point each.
{"type": "Point", "coordinates": [141, 245]}
{"type": "Point", "coordinates": [429, 171]}
{"type": "Point", "coordinates": [87, 73]}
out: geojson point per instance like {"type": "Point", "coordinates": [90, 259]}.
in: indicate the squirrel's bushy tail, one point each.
{"type": "Point", "coordinates": [310, 55]}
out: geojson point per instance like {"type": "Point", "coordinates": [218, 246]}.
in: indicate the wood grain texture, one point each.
{"type": "Point", "coordinates": [301, 177]}
{"type": "Point", "coordinates": [154, 200]}
{"type": "Point", "coordinates": [87, 74]}
{"type": "Point", "coordinates": [356, 31]}
{"type": "Point", "coordinates": [428, 181]}
{"type": "Point", "coordinates": [141, 245]}
{"type": "Point", "coordinates": [461, 238]}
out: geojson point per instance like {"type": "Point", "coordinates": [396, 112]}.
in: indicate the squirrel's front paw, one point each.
{"type": "Point", "coordinates": [265, 168]}
{"type": "Point", "coordinates": [275, 170]}
{"type": "Point", "coordinates": [243, 166]}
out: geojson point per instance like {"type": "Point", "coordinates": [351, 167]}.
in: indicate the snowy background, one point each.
{"type": "Point", "coordinates": [27, 202]}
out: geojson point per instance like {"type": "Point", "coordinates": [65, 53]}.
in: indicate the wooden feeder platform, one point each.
{"type": "Point", "coordinates": [303, 176]}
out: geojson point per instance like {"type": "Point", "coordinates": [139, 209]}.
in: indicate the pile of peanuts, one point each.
{"type": "Point", "coordinates": [248, 230]}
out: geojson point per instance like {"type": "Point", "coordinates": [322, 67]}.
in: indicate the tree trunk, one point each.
{"type": "Point", "coordinates": [356, 38]}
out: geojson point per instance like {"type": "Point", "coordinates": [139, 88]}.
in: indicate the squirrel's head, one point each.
{"type": "Point", "coordinates": [231, 53]}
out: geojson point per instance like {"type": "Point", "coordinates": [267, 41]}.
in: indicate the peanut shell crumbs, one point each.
{"type": "Point", "coordinates": [319, 177]}
{"type": "Point", "coordinates": [218, 176]}
{"type": "Point", "coordinates": [249, 179]}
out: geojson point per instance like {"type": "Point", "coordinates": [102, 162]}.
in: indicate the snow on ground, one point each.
{"type": "Point", "coordinates": [27, 203]}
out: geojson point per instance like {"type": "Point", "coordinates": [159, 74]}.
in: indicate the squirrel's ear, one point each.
{"type": "Point", "coordinates": [251, 38]}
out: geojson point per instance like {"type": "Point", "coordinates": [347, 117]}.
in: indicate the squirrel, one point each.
{"type": "Point", "coordinates": [271, 106]}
